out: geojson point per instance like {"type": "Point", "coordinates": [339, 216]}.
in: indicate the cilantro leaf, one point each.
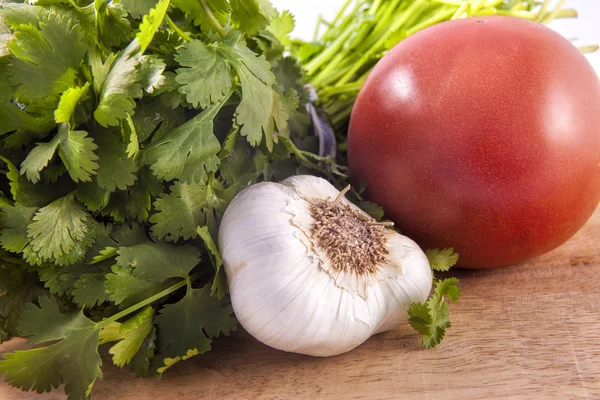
{"type": "Point", "coordinates": [186, 328]}
{"type": "Point", "coordinates": [252, 15]}
{"type": "Point", "coordinates": [26, 127]}
{"type": "Point", "coordinates": [105, 23]}
{"type": "Point", "coordinates": [130, 75]}
{"type": "Point", "coordinates": [189, 152]}
{"type": "Point", "coordinates": [129, 335]}
{"type": "Point", "coordinates": [187, 207]}
{"type": "Point", "coordinates": [61, 231]}
{"type": "Point", "coordinates": [68, 102]}
{"type": "Point", "coordinates": [15, 14]}
{"type": "Point", "coordinates": [38, 159]}
{"type": "Point", "coordinates": [125, 288]}
{"type": "Point", "coordinates": [14, 221]}
{"type": "Point", "coordinates": [432, 318]}
{"type": "Point", "coordinates": [206, 78]}
{"type": "Point", "coordinates": [282, 26]}
{"type": "Point", "coordinates": [46, 59]}
{"type": "Point", "coordinates": [89, 290]}
{"type": "Point", "coordinates": [151, 23]}
{"type": "Point", "coordinates": [93, 197]}
{"type": "Point", "coordinates": [75, 149]}
{"type": "Point", "coordinates": [150, 73]}
{"type": "Point", "coordinates": [159, 261]}
{"type": "Point", "coordinates": [193, 8]}
{"type": "Point", "coordinates": [137, 8]}
{"type": "Point", "coordinates": [83, 281]}
{"type": "Point", "coordinates": [115, 169]}
{"type": "Point", "coordinates": [442, 260]}
{"type": "Point", "coordinates": [119, 88]}
{"type": "Point", "coordinates": [60, 279]}
{"type": "Point", "coordinates": [155, 118]}
{"type": "Point", "coordinates": [125, 235]}
{"type": "Point", "coordinates": [100, 68]}
{"type": "Point", "coordinates": [17, 288]}
{"type": "Point", "coordinates": [74, 359]}
{"type": "Point", "coordinates": [13, 176]}
{"type": "Point", "coordinates": [140, 195]}
{"type": "Point", "coordinates": [261, 110]}
{"type": "Point", "coordinates": [140, 362]}
{"type": "Point", "coordinates": [128, 129]}
{"type": "Point", "coordinates": [219, 286]}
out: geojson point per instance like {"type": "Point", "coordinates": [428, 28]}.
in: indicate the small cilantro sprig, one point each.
{"type": "Point", "coordinates": [432, 318]}
{"type": "Point", "coordinates": [441, 260]}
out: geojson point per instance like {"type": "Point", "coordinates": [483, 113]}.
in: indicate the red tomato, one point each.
{"type": "Point", "coordinates": [482, 134]}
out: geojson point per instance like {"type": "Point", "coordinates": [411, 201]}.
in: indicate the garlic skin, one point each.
{"type": "Point", "coordinates": [286, 291]}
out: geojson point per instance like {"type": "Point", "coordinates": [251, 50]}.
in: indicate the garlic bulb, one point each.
{"type": "Point", "coordinates": [311, 273]}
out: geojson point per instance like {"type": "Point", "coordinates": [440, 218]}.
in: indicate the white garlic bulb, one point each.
{"type": "Point", "coordinates": [311, 273]}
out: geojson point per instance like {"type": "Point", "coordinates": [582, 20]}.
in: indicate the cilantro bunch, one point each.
{"type": "Point", "coordinates": [127, 127]}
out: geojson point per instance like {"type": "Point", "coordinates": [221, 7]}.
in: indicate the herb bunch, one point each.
{"type": "Point", "coordinates": [127, 127]}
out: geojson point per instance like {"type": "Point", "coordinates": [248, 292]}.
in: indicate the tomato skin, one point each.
{"type": "Point", "coordinates": [482, 134]}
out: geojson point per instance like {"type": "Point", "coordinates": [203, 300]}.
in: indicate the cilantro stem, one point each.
{"type": "Point", "coordinates": [398, 23]}
{"type": "Point", "coordinates": [174, 26]}
{"type": "Point", "coordinates": [212, 18]}
{"type": "Point", "coordinates": [317, 26]}
{"type": "Point", "coordinates": [146, 302]}
{"type": "Point", "coordinates": [337, 17]}
{"type": "Point", "coordinates": [332, 50]}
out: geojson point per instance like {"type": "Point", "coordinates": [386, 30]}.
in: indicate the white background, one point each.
{"type": "Point", "coordinates": [586, 28]}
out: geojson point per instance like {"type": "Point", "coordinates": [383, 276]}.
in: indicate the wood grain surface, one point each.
{"type": "Point", "coordinates": [529, 331]}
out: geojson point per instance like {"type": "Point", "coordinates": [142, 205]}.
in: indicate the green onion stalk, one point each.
{"type": "Point", "coordinates": [338, 60]}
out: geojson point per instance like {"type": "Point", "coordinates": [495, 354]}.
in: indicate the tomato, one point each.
{"type": "Point", "coordinates": [482, 134]}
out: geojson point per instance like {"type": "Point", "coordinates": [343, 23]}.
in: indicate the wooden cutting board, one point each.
{"type": "Point", "coordinates": [526, 331]}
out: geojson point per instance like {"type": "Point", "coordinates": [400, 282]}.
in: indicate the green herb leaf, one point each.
{"type": "Point", "coordinates": [432, 318]}
{"type": "Point", "coordinates": [187, 207]}
{"type": "Point", "coordinates": [186, 328]}
{"type": "Point", "coordinates": [74, 359]}
{"type": "Point", "coordinates": [442, 259]}
{"type": "Point", "coordinates": [159, 261]}
{"type": "Point", "coordinates": [206, 78]}
{"type": "Point", "coordinates": [105, 23]}
{"type": "Point", "coordinates": [141, 194]}
{"type": "Point", "coordinates": [252, 15]}
{"type": "Point", "coordinates": [130, 75]}
{"type": "Point", "coordinates": [68, 102]}
{"type": "Point", "coordinates": [130, 336]}
{"type": "Point", "coordinates": [261, 110]}
{"type": "Point", "coordinates": [123, 286]}
{"type": "Point", "coordinates": [46, 58]}
{"type": "Point", "coordinates": [75, 149]}
{"type": "Point", "coordinates": [89, 290]}
{"type": "Point", "coordinates": [140, 362]}
{"type": "Point", "coordinates": [137, 8]}
{"type": "Point", "coordinates": [151, 23]}
{"type": "Point", "coordinates": [194, 9]}
{"type": "Point", "coordinates": [18, 287]}
{"type": "Point", "coordinates": [282, 26]}
{"type": "Point", "coordinates": [189, 152]}
{"type": "Point", "coordinates": [61, 231]}
{"type": "Point", "coordinates": [14, 221]}
{"type": "Point", "coordinates": [116, 170]}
